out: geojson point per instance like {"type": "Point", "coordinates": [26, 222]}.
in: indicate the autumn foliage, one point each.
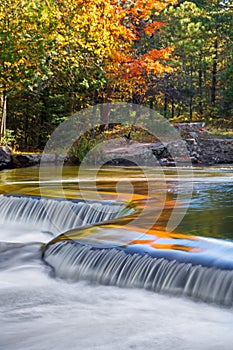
{"type": "Point", "coordinates": [70, 42]}
{"type": "Point", "coordinates": [131, 64]}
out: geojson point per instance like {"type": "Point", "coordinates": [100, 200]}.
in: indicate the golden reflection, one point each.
{"type": "Point", "coordinates": [150, 206]}
{"type": "Point", "coordinates": [174, 247]}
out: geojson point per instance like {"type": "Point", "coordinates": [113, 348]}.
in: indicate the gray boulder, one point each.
{"type": "Point", "coordinates": [5, 157]}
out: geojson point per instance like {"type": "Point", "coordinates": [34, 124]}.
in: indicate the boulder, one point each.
{"type": "Point", "coordinates": [5, 157]}
{"type": "Point", "coordinates": [25, 160]}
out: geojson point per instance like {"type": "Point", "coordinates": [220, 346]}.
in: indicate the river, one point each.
{"type": "Point", "coordinates": [41, 310]}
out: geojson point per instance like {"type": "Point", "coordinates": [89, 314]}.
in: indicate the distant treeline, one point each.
{"type": "Point", "coordinates": [59, 56]}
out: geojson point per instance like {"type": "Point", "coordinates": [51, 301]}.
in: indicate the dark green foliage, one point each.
{"type": "Point", "coordinates": [200, 88]}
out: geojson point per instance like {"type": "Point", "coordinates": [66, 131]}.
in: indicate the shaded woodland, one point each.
{"type": "Point", "coordinates": [59, 56]}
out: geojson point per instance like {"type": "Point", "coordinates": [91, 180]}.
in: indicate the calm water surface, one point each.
{"type": "Point", "coordinates": [40, 312]}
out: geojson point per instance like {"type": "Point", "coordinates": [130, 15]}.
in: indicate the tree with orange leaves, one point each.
{"type": "Point", "coordinates": [136, 61]}
{"type": "Point", "coordinates": [85, 52]}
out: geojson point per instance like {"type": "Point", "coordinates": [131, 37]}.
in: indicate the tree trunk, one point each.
{"type": "Point", "coordinates": [151, 109]}
{"type": "Point", "coordinates": [191, 97]}
{"type": "Point", "coordinates": [165, 105]}
{"type": "Point", "coordinates": [136, 101]}
{"type": "Point", "coordinates": [191, 109]}
{"type": "Point", "coordinates": [200, 87]}
{"type": "Point", "coordinates": [3, 121]}
{"type": "Point", "coordinates": [105, 108]}
{"type": "Point", "coordinates": [173, 108]}
{"type": "Point", "coordinates": [214, 74]}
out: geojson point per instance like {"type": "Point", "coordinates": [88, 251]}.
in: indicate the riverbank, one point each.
{"type": "Point", "coordinates": [11, 160]}
{"type": "Point", "coordinates": [201, 151]}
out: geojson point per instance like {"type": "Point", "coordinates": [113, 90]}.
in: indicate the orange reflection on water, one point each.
{"type": "Point", "coordinates": [174, 247]}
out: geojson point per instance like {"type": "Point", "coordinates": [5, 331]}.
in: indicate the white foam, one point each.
{"type": "Point", "coordinates": [40, 313]}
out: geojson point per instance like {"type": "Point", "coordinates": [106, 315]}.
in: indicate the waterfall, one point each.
{"type": "Point", "coordinates": [205, 274]}
{"type": "Point", "coordinates": [74, 261]}
{"type": "Point", "coordinates": [54, 215]}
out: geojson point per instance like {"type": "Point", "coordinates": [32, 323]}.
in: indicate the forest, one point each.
{"type": "Point", "coordinates": [60, 56]}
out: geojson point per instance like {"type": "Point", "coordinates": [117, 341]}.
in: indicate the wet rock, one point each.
{"type": "Point", "coordinates": [25, 160]}
{"type": "Point", "coordinates": [211, 151]}
{"type": "Point", "coordinates": [5, 157]}
{"type": "Point", "coordinates": [133, 154]}
{"type": "Point", "coordinates": [53, 158]}
{"type": "Point", "coordinates": [175, 153]}
{"type": "Point", "coordinates": [199, 151]}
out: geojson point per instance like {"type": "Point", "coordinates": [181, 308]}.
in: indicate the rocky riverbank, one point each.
{"type": "Point", "coordinates": [196, 151]}
{"type": "Point", "coordinates": [197, 146]}
{"type": "Point", "coordinates": [201, 151]}
{"type": "Point", "coordinates": [9, 160]}
{"type": "Point", "coordinates": [210, 151]}
{"type": "Point", "coordinates": [5, 157]}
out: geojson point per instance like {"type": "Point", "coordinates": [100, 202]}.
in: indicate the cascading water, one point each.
{"type": "Point", "coordinates": [56, 216]}
{"type": "Point", "coordinates": [197, 273]}
{"type": "Point", "coordinates": [42, 312]}
{"type": "Point", "coordinates": [74, 261]}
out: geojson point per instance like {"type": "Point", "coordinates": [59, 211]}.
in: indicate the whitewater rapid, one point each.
{"type": "Point", "coordinates": [40, 312]}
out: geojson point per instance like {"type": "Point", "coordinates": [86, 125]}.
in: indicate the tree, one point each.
{"type": "Point", "coordinates": [138, 64]}
{"type": "Point", "coordinates": [25, 44]}
{"type": "Point", "coordinates": [77, 52]}
{"type": "Point", "coordinates": [198, 33]}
